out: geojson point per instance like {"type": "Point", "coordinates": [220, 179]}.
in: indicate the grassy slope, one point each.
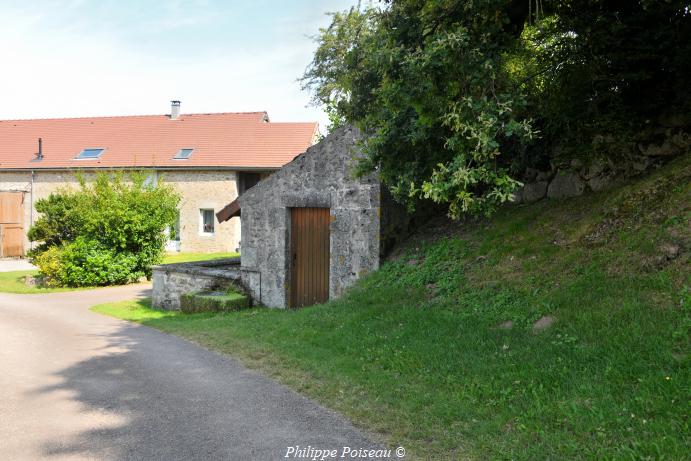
{"type": "Point", "coordinates": [412, 352]}
{"type": "Point", "coordinates": [13, 282]}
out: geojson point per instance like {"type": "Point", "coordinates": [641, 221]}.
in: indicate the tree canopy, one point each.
{"type": "Point", "coordinates": [457, 97]}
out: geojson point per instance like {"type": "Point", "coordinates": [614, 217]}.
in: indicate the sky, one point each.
{"type": "Point", "coordinates": [77, 58]}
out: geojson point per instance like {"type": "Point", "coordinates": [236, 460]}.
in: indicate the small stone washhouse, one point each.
{"type": "Point", "coordinates": [313, 228]}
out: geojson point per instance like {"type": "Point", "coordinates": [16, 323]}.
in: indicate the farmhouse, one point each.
{"type": "Point", "coordinates": [310, 230]}
{"type": "Point", "coordinates": [209, 158]}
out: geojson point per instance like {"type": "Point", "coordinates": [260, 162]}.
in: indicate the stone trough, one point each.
{"type": "Point", "coordinates": [171, 281]}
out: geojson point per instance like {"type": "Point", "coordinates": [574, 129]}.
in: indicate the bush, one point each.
{"type": "Point", "coordinates": [48, 263]}
{"type": "Point", "coordinates": [87, 263]}
{"type": "Point", "coordinates": [109, 232]}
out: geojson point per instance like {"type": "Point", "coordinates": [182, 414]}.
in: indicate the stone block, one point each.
{"type": "Point", "coordinates": [564, 185]}
{"type": "Point", "coordinates": [534, 191]}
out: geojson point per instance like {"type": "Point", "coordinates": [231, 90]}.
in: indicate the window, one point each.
{"type": "Point", "coordinates": [207, 221]}
{"type": "Point", "coordinates": [183, 154]}
{"type": "Point", "coordinates": [91, 153]}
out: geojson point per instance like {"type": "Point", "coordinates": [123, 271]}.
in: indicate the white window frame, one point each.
{"type": "Point", "coordinates": [79, 155]}
{"type": "Point", "coordinates": [201, 222]}
{"type": "Point", "coordinates": [178, 155]}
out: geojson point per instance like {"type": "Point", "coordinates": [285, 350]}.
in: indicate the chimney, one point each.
{"type": "Point", "coordinates": [39, 154]}
{"type": "Point", "coordinates": [174, 110]}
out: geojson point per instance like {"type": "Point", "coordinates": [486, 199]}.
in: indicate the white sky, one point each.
{"type": "Point", "coordinates": [89, 57]}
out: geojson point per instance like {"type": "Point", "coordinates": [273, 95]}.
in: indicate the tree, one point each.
{"type": "Point", "coordinates": [425, 81]}
{"type": "Point", "coordinates": [453, 93]}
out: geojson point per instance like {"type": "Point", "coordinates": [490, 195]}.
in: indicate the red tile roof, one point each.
{"type": "Point", "coordinates": [228, 140]}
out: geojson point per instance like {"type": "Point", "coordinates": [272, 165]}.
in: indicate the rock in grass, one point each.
{"type": "Point", "coordinates": [543, 323]}
{"type": "Point", "coordinates": [670, 250]}
{"type": "Point", "coordinates": [213, 301]}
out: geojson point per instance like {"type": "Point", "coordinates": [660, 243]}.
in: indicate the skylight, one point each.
{"type": "Point", "coordinates": [88, 154]}
{"type": "Point", "coordinates": [184, 154]}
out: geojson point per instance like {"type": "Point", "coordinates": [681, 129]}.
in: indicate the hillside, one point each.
{"type": "Point", "coordinates": [558, 330]}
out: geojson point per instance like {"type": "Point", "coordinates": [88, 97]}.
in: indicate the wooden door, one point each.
{"type": "Point", "coordinates": [309, 249]}
{"type": "Point", "coordinates": [11, 224]}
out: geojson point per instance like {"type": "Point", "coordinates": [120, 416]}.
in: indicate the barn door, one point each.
{"type": "Point", "coordinates": [310, 256]}
{"type": "Point", "coordinates": [11, 227]}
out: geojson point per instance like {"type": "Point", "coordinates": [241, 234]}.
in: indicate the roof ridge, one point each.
{"type": "Point", "coordinates": [131, 116]}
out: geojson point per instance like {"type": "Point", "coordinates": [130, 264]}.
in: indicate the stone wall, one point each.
{"type": "Point", "coordinates": [170, 281]}
{"type": "Point", "coordinates": [208, 190]}
{"type": "Point", "coordinates": [321, 177]}
{"type": "Point", "coordinates": [576, 177]}
{"type": "Point", "coordinates": [198, 189]}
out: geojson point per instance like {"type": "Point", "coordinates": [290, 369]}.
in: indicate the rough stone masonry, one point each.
{"type": "Point", "coordinates": [324, 177]}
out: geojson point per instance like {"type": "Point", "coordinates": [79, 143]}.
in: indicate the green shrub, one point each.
{"type": "Point", "coordinates": [89, 263]}
{"type": "Point", "coordinates": [60, 222]}
{"type": "Point", "coordinates": [213, 301]}
{"type": "Point", "coordinates": [86, 263]}
{"type": "Point", "coordinates": [110, 231]}
{"type": "Point", "coordinates": [48, 263]}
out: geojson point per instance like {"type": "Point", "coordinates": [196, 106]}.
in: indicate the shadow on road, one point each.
{"type": "Point", "coordinates": [148, 395]}
{"type": "Point", "coordinates": [136, 410]}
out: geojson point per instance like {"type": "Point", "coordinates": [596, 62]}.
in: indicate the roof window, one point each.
{"type": "Point", "coordinates": [88, 154]}
{"type": "Point", "coordinates": [184, 154]}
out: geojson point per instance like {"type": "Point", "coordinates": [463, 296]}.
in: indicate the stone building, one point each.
{"type": "Point", "coordinates": [313, 228]}
{"type": "Point", "coordinates": [209, 158]}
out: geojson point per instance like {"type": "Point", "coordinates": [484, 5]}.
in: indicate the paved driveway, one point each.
{"type": "Point", "coordinates": [78, 385]}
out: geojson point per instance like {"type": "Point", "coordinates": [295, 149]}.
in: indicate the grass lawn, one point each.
{"type": "Point", "coordinates": [13, 282]}
{"type": "Point", "coordinates": [414, 352]}
{"type": "Point", "coordinates": [173, 258]}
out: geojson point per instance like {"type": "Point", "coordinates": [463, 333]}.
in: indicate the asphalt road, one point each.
{"type": "Point", "coordinates": [78, 385]}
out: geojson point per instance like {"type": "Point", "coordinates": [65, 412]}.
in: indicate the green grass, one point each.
{"type": "Point", "coordinates": [193, 257]}
{"type": "Point", "coordinates": [13, 282]}
{"type": "Point", "coordinates": [412, 353]}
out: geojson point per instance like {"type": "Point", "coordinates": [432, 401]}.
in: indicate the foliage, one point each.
{"type": "Point", "coordinates": [413, 352]}
{"type": "Point", "coordinates": [389, 71]}
{"type": "Point", "coordinates": [453, 93]}
{"type": "Point", "coordinates": [110, 231]}
{"type": "Point", "coordinates": [90, 263]}
{"type": "Point", "coordinates": [597, 71]}
{"type": "Point", "coordinates": [59, 222]}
